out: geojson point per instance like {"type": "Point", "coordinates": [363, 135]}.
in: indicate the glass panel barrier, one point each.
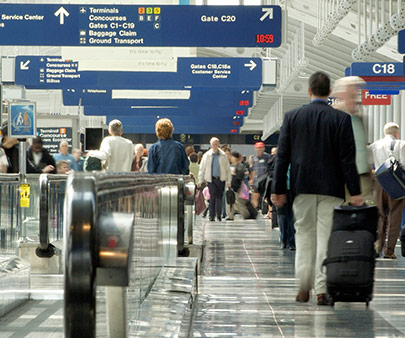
{"type": "Point", "coordinates": [9, 206]}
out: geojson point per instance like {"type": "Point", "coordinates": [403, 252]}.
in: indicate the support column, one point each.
{"type": "Point", "coordinates": [390, 112]}
{"type": "Point", "coordinates": [376, 133]}
{"type": "Point", "coordinates": [402, 123]}
{"type": "Point", "coordinates": [382, 114]}
{"type": "Point", "coordinates": [397, 108]}
{"type": "Point", "coordinates": [369, 111]}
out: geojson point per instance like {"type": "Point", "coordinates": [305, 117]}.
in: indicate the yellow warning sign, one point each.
{"type": "Point", "coordinates": [25, 195]}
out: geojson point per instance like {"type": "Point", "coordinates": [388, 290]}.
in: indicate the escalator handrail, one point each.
{"type": "Point", "coordinates": [82, 192]}
{"type": "Point", "coordinates": [45, 248]}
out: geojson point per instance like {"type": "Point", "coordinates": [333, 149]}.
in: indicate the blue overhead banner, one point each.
{"type": "Point", "coordinates": [377, 69]}
{"type": "Point", "coordinates": [217, 98]}
{"type": "Point", "coordinates": [380, 75]}
{"type": "Point", "coordinates": [197, 111]}
{"type": "Point", "coordinates": [201, 125]}
{"type": "Point", "coordinates": [52, 72]}
{"type": "Point", "coordinates": [140, 25]}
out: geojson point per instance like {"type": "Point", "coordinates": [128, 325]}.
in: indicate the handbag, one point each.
{"type": "Point", "coordinates": [391, 176]}
{"type": "Point", "coordinates": [199, 202]}
{"type": "Point", "coordinates": [230, 196]}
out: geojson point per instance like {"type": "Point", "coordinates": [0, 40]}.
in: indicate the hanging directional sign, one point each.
{"type": "Point", "coordinates": [146, 125]}
{"type": "Point", "coordinates": [197, 111]}
{"type": "Point", "coordinates": [380, 75]}
{"type": "Point", "coordinates": [214, 129]}
{"type": "Point", "coordinates": [377, 69]}
{"type": "Point", "coordinates": [140, 25]}
{"type": "Point", "coordinates": [97, 97]}
{"type": "Point", "coordinates": [52, 72]}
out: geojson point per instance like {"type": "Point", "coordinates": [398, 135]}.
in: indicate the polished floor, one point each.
{"type": "Point", "coordinates": [247, 289]}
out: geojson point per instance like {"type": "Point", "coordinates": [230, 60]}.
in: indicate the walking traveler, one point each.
{"type": "Point", "coordinates": [116, 151]}
{"type": "Point", "coordinates": [389, 210]}
{"type": "Point", "coordinates": [167, 156]}
{"type": "Point", "coordinates": [215, 170]}
{"type": "Point", "coordinates": [317, 142]}
{"type": "Point", "coordinates": [348, 92]}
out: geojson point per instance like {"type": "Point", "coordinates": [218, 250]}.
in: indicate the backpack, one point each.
{"type": "Point", "coordinates": [92, 164]}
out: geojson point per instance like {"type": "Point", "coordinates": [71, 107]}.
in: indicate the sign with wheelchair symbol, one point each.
{"type": "Point", "coordinates": [22, 122]}
{"type": "Point", "coordinates": [25, 195]}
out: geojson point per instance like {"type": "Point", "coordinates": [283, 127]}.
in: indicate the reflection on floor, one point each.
{"type": "Point", "coordinates": [247, 288]}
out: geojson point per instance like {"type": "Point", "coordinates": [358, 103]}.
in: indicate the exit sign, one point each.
{"type": "Point", "coordinates": [368, 99]}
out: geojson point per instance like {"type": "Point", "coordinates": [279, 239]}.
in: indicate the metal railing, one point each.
{"type": "Point", "coordinates": [22, 224]}
{"type": "Point", "coordinates": [126, 225]}
{"type": "Point", "coordinates": [52, 195]}
{"type": "Point", "coordinates": [9, 215]}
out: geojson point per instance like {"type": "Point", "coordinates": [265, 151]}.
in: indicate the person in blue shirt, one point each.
{"type": "Point", "coordinates": [167, 156]}
{"type": "Point", "coordinates": [65, 156]}
{"type": "Point", "coordinates": [77, 154]}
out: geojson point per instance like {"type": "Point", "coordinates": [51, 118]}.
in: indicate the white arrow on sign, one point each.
{"type": "Point", "coordinates": [251, 65]}
{"type": "Point", "coordinates": [268, 12]}
{"type": "Point", "coordinates": [61, 12]}
{"type": "Point", "coordinates": [24, 65]}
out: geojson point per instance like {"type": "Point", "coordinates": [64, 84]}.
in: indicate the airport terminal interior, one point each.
{"type": "Point", "coordinates": [120, 254]}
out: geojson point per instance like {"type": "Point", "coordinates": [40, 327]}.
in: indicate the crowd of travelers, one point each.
{"type": "Point", "coordinates": [322, 160]}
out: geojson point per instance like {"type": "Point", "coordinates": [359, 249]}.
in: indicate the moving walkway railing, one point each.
{"type": "Point", "coordinates": [52, 194]}
{"type": "Point", "coordinates": [120, 229]}
{"type": "Point", "coordinates": [22, 224]}
{"type": "Point", "coordinates": [9, 212]}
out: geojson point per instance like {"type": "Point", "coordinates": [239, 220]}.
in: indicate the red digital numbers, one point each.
{"type": "Point", "coordinates": [234, 131]}
{"type": "Point", "coordinates": [240, 112]}
{"type": "Point", "coordinates": [236, 123]}
{"type": "Point", "coordinates": [264, 38]}
{"type": "Point", "coordinates": [244, 102]}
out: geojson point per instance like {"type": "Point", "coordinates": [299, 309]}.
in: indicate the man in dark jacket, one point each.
{"type": "Point", "coordinates": [318, 142]}
{"type": "Point", "coordinates": [39, 157]}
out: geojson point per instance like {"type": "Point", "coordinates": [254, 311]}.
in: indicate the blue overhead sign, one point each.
{"type": "Point", "coordinates": [203, 111]}
{"type": "Point", "coordinates": [52, 72]}
{"type": "Point", "coordinates": [217, 98]}
{"type": "Point", "coordinates": [140, 25]}
{"type": "Point", "coordinates": [193, 124]}
{"type": "Point", "coordinates": [377, 69]}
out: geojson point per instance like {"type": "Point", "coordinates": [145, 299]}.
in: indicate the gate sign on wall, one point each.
{"type": "Point", "coordinates": [52, 137]}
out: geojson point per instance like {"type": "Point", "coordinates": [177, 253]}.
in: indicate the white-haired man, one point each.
{"type": "Point", "coordinates": [64, 155]}
{"type": "Point", "coordinates": [347, 91]}
{"type": "Point", "coordinates": [115, 150]}
{"type": "Point", "coordinates": [389, 210]}
{"type": "Point", "coordinates": [215, 170]}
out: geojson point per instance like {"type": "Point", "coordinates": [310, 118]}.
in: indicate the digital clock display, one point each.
{"type": "Point", "coordinates": [264, 38]}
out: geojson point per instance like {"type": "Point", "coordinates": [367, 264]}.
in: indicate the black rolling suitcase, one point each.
{"type": "Point", "coordinates": [351, 256]}
{"type": "Point", "coordinates": [252, 211]}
